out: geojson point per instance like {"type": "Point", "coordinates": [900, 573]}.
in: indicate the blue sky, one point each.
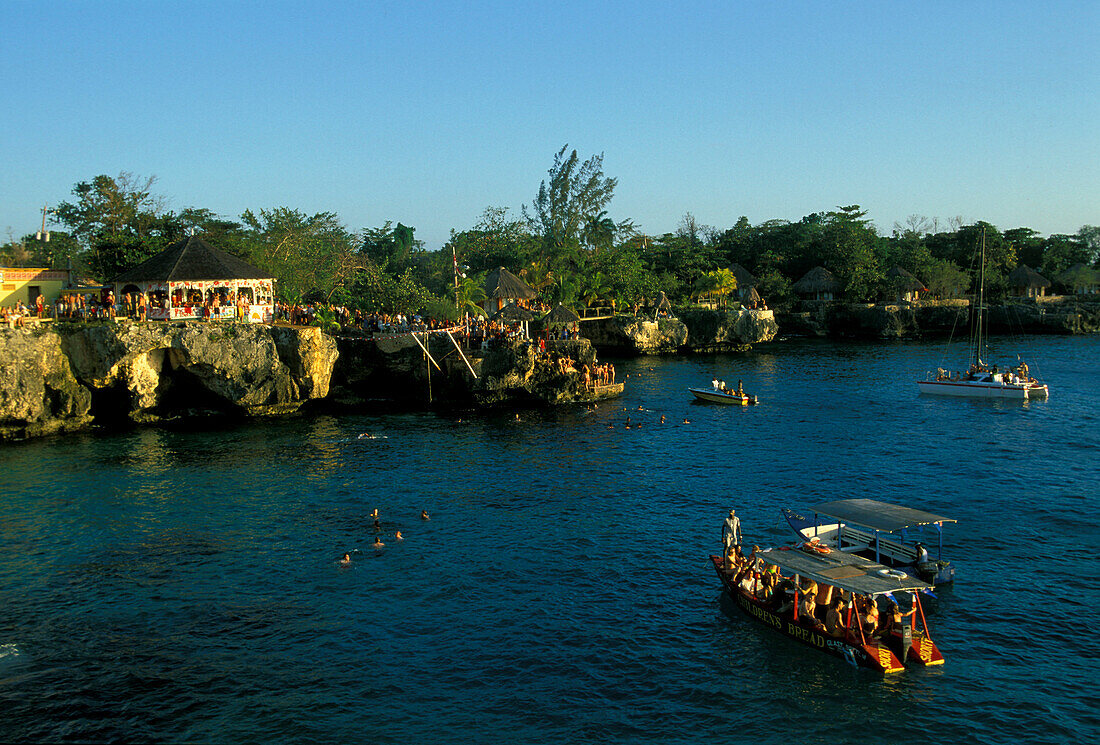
{"type": "Point", "coordinates": [426, 113]}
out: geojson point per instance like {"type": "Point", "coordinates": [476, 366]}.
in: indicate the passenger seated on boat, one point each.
{"type": "Point", "coordinates": [767, 584]}
{"type": "Point", "coordinates": [807, 611]}
{"type": "Point", "coordinates": [783, 596]}
{"type": "Point", "coordinates": [834, 618]}
{"type": "Point", "coordinates": [868, 614]}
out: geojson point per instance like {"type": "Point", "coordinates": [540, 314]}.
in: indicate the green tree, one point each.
{"type": "Point", "coordinates": [118, 221]}
{"type": "Point", "coordinates": [313, 256]}
{"type": "Point", "coordinates": [575, 193]}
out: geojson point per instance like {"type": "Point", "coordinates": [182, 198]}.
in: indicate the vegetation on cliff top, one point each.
{"type": "Point", "coordinates": [564, 244]}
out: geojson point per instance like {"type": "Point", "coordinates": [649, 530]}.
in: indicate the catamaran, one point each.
{"type": "Point", "coordinates": [887, 648]}
{"type": "Point", "coordinates": [981, 380]}
{"type": "Point", "coordinates": [887, 533]}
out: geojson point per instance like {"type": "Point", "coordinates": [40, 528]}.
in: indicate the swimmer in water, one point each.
{"type": "Point", "coordinates": [377, 525]}
{"type": "Point", "coordinates": [378, 542]}
{"type": "Point", "coordinates": [398, 536]}
{"type": "Point", "coordinates": [686, 422]}
{"type": "Point", "coordinates": [662, 418]}
{"type": "Point", "coordinates": [424, 515]}
{"type": "Point", "coordinates": [374, 514]}
{"type": "Point", "coordinates": [346, 560]}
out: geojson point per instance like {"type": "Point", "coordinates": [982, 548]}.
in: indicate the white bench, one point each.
{"type": "Point", "coordinates": [887, 546]}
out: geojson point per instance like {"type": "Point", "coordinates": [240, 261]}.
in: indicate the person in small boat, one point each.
{"type": "Point", "coordinates": [834, 618]}
{"type": "Point", "coordinates": [922, 553]}
{"type": "Point", "coordinates": [715, 383]}
{"type": "Point", "coordinates": [731, 531]}
{"type": "Point", "coordinates": [740, 389]}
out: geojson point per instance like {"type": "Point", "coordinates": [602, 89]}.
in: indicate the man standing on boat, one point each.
{"type": "Point", "coordinates": [731, 532]}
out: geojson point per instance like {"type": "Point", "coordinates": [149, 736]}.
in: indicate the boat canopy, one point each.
{"type": "Point", "coordinates": [844, 570]}
{"type": "Point", "coordinates": [878, 515]}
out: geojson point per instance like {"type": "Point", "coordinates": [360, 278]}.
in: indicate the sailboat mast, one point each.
{"type": "Point", "coordinates": [981, 304]}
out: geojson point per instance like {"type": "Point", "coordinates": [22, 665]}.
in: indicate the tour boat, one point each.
{"type": "Point", "coordinates": [887, 533]}
{"type": "Point", "coordinates": [981, 380]}
{"type": "Point", "coordinates": [886, 653]}
{"type": "Point", "coordinates": [728, 397]}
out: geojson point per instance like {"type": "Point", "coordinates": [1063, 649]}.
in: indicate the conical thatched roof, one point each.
{"type": "Point", "coordinates": [501, 283]}
{"type": "Point", "coordinates": [1079, 274]}
{"type": "Point", "coordinates": [745, 280]}
{"type": "Point", "coordinates": [661, 301]}
{"type": "Point", "coordinates": [1025, 276]}
{"type": "Point", "coordinates": [513, 313]}
{"type": "Point", "coordinates": [818, 279]}
{"type": "Point", "coordinates": [191, 259]}
{"type": "Point", "coordinates": [561, 314]}
{"type": "Point", "coordinates": [752, 296]}
{"type": "Point", "coordinates": [905, 280]}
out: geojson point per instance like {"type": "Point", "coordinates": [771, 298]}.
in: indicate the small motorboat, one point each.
{"type": "Point", "coordinates": [887, 533]}
{"type": "Point", "coordinates": [727, 396]}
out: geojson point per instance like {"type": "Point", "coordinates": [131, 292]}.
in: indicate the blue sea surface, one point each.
{"type": "Point", "coordinates": [171, 586]}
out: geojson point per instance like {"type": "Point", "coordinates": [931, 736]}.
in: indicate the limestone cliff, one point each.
{"type": "Point", "coordinates": [69, 374]}
{"type": "Point", "coordinates": [509, 373]}
{"type": "Point", "coordinates": [691, 331]}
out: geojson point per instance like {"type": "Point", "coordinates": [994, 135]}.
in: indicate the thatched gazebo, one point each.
{"type": "Point", "coordinates": [504, 288]}
{"type": "Point", "coordinates": [817, 284]}
{"type": "Point", "coordinates": [1080, 279]}
{"type": "Point", "coordinates": [745, 283]}
{"type": "Point", "coordinates": [189, 277]}
{"type": "Point", "coordinates": [661, 304]}
{"type": "Point", "coordinates": [752, 298]}
{"type": "Point", "coordinates": [512, 313]}
{"type": "Point", "coordinates": [907, 286]}
{"type": "Point", "coordinates": [560, 316]}
{"type": "Point", "coordinates": [1026, 282]}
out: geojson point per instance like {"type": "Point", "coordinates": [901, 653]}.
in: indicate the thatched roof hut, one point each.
{"type": "Point", "coordinates": [745, 280]}
{"type": "Point", "coordinates": [1026, 281]}
{"type": "Point", "coordinates": [501, 283]}
{"type": "Point", "coordinates": [1080, 279]}
{"type": "Point", "coordinates": [191, 259]}
{"type": "Point", "coordinates": [904, 280]}
{"type": "Point", "coordinates": [661, 302]}
{"type": "Point", "coordinates": [818, 283]}
{"type": "Point", "coordinates": [751, 298]}
{"type": "Point", "coordinates": [560, 315]}
{"type": "Point", "coordinates": [512, 313]}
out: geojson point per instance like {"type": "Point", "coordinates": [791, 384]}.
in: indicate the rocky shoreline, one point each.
{"type": "Point", "coordinates": [65, 377]}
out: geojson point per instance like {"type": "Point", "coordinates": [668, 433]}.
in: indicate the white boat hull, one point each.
{"type": "Point", "coordinates": [718, 397]}
{"type": "Point", "coordinates": [982, 389]}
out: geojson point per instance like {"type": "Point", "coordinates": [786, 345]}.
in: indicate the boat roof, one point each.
{"type": "Point", "coordinates": [878, 515]}
{"type": "Point", "coordinates": [841, 569]}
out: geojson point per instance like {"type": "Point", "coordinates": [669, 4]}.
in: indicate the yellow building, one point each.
{"type": "Point", "coordinates": [26, 284]}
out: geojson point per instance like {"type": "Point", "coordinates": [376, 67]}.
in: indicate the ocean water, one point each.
{"type": "Point", "coordinates": [167, 586]}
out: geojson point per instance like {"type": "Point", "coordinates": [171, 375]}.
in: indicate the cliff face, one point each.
{"type": "Point", "coordinates": [692, 331]}
{"type": "Point", "coordinates": [395, 368]}
{"type": "Point", "coordinates": [71, 374]}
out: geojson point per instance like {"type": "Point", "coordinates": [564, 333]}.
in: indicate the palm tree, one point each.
{"type": "Point", "coordinates": [595, 287]}
{"type": "Point", "coordinates": [599, 230]}
{"type": "Point", "coordinates": [471, 293]}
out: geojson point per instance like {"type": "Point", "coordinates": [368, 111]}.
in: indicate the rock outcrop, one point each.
{"type": "Point", "coordinates": [129, 372]}
{"type": "Point", "coordinates": [691, 331]}
{"type": "Point", "coordinates": [508, 373]}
